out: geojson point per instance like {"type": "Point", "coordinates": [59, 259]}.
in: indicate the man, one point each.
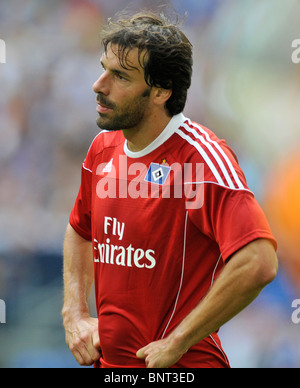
{"type": "Point", "coordinates": [164, 222]}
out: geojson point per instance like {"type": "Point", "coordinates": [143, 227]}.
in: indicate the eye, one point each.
{"type": "Point", "coordinates": [120, 77]}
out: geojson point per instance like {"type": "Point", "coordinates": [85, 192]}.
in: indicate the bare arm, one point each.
{"type": "Point", "coordinates": [240, 282]}
{"type": "Point", "coordinates": [81, 330]}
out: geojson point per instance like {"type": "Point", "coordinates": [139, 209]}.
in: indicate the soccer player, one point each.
{"type": "Point", "coordinates": [164, 222]}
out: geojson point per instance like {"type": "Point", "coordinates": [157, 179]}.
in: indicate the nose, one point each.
{"type": "Point", "coordinates": [101, 85]}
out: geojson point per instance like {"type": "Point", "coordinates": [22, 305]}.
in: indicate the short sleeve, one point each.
{"type": "Point", "coordinates": [232, 218]}
{"type": "Point", "coordinates": [80, 217]}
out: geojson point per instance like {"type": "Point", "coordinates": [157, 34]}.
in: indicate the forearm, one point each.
{"type": "Point", "coordinates": [225, 300]}
{"type": "Point", "coordinates": [78, 274]}
{"type": "Point", "coordinates": [240, 282]}
{"type": "Point", "coordinates": [238, 285]}
{"type": "Point", "coordinates": [81, 330]}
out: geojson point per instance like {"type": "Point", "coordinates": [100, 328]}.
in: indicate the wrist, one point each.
{"type": "Point", "coordinates": [179, 343]}
{"type": "Point", "coordinates": [69, 313]}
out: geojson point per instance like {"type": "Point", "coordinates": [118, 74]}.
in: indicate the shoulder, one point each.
{"type": "Point", "coordinates": [103, 141]}
{"type": "Point", "coordinates": [106, 139]}
{"type": "Point", "coordinates": [202, 145]}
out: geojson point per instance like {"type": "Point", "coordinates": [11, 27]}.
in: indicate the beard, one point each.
{"type": "Point", "coordinates": [126, 116]}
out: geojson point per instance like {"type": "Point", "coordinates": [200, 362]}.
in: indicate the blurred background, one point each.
{"type": "Point", "coordinates": [245, 88]}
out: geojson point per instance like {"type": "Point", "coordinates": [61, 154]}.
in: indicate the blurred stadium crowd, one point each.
{"type": "Point", "coordinates": [245, 88]}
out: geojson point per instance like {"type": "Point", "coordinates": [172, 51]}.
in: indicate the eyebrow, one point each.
{"type": "Point", "coordinates": [117, 71]}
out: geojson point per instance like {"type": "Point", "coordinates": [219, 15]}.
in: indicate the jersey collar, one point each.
{"type": "Point", "coordinates": [170, 129]}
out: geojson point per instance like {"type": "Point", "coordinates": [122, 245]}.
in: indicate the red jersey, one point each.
{"type": "Point", "coordinates": [163, 222]}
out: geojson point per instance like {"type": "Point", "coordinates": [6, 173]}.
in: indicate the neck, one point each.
{"type": "Point", "coordinates": [140, 137]}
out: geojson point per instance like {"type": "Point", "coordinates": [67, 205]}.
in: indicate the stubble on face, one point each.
{"type": "Point", "coordinates": [123, 116]}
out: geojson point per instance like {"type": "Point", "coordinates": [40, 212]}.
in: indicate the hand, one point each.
{"type": "Point", "coordinates": [83, 340]}
{"type": "Point", "coordinates": [160, 354]}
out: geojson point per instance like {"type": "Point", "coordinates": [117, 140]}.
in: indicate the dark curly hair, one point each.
{"type": "Point", "coordinates": [164, 52]}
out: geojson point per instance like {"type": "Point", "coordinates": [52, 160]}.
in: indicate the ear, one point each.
{"type": "Point", "coordinates": [161, 96]}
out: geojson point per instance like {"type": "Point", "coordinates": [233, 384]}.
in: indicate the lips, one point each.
{"type": "Point", "coordinates": [103, 109]}
{"type": "Point", "coordinates": [102, 106]}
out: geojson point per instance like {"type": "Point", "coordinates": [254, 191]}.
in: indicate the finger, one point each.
{"type": "Point", "coordinates": [141, 353]}
{"type": "Point", "coordinates": [94, 353]}
{"type": "Point", "coordinates": [83, 361]}
{"type": "Point", "coordinates": [96, 340]}
{"type": "Point", "coordinates": [81, 355]}
{"type": "Point", "coordinates": [83, 350]}
{"type": "Point", "coordinates": [90, 349]}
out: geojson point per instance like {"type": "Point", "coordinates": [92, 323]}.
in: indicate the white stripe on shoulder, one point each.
{"type": "Point", "coordinates": [212, 150]}
{"type": "Point", "coordinates": [223, 153]}
{"type": "Point", "coordinates": [214, 161]}
{"type": "Point", "coordinates": [203, 154]}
